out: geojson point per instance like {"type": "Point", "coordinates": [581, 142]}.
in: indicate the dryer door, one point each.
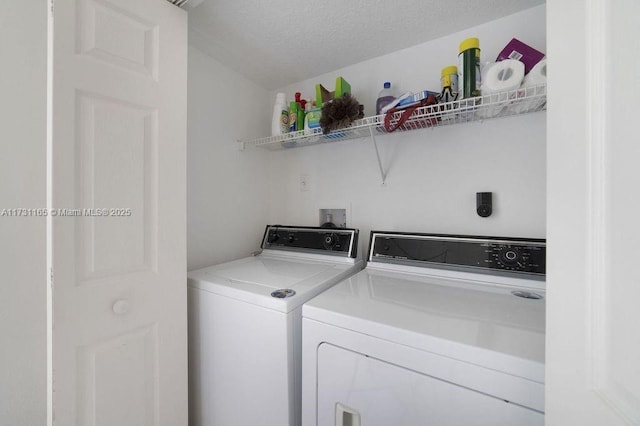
{"type": "Point", "coordinates": [357, 389]}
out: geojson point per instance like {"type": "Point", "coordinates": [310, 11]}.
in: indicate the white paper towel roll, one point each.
{"type": "Point", "coordinates": [498, 78]}
{"type": "Point", "coordinates": [531, 87]}
{"type": "Point", "coordinates": [502, 76]}
{"type": "Point", "coordinates": [537, 75]}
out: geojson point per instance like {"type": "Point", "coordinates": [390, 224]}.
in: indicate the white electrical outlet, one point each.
{"type": "Point", "coordinates": [305, 183]}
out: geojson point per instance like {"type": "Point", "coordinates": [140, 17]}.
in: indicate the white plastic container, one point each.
{"type": "Point", "coordinates": [280, 120]}
{"type": "Point", "coordinates": [385, 97]}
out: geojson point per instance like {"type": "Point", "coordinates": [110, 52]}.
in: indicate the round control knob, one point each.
{"type": "Point", "coordinates": [330, 240]}
{"type": "Point", "coordinates": [291, 238]}
{"type": "Point", "coordinates": [273, 237]}
{"type": "Point", "coordinates": [510, 255]}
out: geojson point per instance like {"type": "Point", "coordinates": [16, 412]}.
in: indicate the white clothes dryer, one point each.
{"type": "Point", "coordinates": [436, 330]}
{"type": "Point", "coordinates": [245, 325]}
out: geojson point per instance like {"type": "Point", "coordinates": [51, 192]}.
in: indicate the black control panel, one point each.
{"type": "Point", "coordinates": [486, 253]}
{"type": "Point", "coordinates": [335, 241]}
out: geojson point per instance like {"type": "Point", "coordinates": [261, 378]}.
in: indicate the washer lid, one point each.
{"type": "Point", "coordinates": [256, 279]}
{"type": "Point", "coordinates": [469, 320]}
{"type": "Point", "coordinates": [269, 272]}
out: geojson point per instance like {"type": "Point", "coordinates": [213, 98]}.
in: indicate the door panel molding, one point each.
{"type": "Point", "coordinates": [117, 36]}
{"type": "Point", "coordinates": [129, 143]}
{"type": "Point", "coordinates": [133, 384]}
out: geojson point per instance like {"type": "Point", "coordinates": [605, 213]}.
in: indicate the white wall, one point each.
{"type": "Point", "coordinates": [433, 174]}
{"type": "Point", "coordinates": [23, 43]}
{"type": "Point", "coordinates": [227, 191]}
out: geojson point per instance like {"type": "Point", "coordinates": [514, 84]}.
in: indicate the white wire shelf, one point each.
{"type": "Point", "coordinates": [495, 105]}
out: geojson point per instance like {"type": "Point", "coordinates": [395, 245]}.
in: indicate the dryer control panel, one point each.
{"type": "Point", "coordinates": [457, 251]}
{"type": "Point", "coordinates": [332, 241]}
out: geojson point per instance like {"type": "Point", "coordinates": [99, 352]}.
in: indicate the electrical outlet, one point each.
{"type": "Point", "coordinates": [305, 183]}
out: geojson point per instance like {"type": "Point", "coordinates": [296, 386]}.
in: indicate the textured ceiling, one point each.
{"type": "Point", "coordinates": [279, 42]}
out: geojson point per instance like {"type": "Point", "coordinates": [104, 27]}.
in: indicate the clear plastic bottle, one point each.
{"type": "Point", "coordinates": [385, 97]}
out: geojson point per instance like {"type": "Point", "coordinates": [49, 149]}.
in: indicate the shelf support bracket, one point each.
{"type": "Point", "coordinates": [383, 174]}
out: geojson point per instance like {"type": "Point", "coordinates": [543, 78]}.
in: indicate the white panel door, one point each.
{"type": "Point", "coordinates": [593, 279]}
{"type": "Point", "coordinates": [118, 190]}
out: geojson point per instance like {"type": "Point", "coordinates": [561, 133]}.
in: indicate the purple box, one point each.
{"type": "Point", "coordinates": [526, 54]}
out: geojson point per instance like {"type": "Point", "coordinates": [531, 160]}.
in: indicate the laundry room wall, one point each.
{"type": "Point", "coordinates": [227, 194]}
{"type": "Point", "coordinates": [23, 292]}
{"type": "Point", "coordinates": [433, 174]}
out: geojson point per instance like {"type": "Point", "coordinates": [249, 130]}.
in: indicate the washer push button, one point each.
{"type": "Point", "coordinates": [282, 293]}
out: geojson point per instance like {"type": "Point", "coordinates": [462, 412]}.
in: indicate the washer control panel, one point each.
{"type": "Point", "coordinates": [488, 253]}
{"type": "Point", "coordinates": [333, 241]}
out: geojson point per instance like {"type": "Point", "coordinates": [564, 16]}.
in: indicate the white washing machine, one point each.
{"type": "Point", "coordinates": [245, 325]}
{"type": "Point", "coordinates": [436, 330]}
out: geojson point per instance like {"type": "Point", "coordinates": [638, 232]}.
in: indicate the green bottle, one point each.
{"type": "Point", "coordinates": [293, 116]}
{"type": "Point", "coordinates": [469, 69]}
